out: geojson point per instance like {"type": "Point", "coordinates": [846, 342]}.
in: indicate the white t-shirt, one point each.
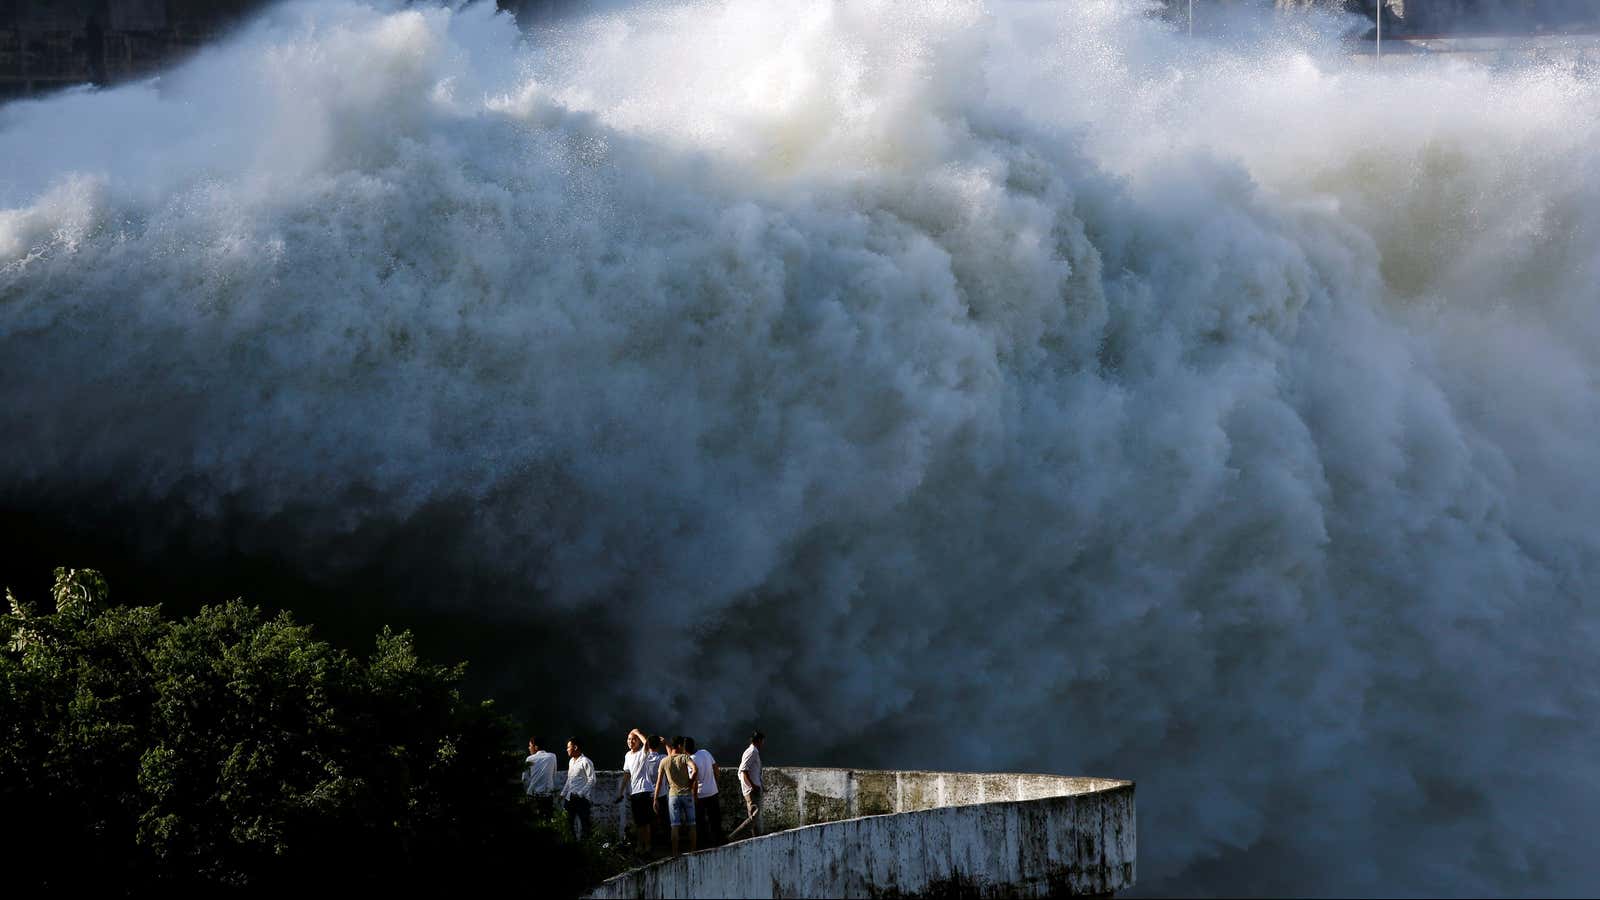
{"type": "Point", "coordinates": [703, 761]}
{"type": "Point", "coordinates": [540, 775]}
{"type": "Point", "coordinates": [750, 764]}
{"type": "Point", "coordinates": [641, 775]}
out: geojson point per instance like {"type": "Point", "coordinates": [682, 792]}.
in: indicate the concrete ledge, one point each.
{"type": "Point", "coordinates": [857, 833]}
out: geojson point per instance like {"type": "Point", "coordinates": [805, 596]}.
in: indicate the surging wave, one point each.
{"type": "Point", "coordinates": [959, 385]}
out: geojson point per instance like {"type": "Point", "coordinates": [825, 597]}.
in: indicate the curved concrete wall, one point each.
{"type": "Point", "coordinates": [854, 833]}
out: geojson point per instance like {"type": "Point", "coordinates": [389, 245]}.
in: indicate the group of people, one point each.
{"type": "Point", "coordinates": [669, 781]}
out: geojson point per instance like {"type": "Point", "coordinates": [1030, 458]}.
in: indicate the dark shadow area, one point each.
{"type": "Point", "coordinates": [528, 659]}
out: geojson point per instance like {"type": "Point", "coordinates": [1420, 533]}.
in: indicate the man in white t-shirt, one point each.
{"type": "Point", "coordinates": [539, 778]}
{"type": "Point", "coordinates": [638, 787]}
{"type": "Point", "coordinates": [750, 780]}
{"type": "Point", "coordinates": [707, 805]}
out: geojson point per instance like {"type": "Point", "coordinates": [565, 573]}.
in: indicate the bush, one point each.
{"type": "Point", "coordinates": [233, 750]}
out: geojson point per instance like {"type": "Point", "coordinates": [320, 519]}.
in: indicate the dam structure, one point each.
{"type": "Point", "coordinates": [47, 45]}
{"type": "Point", "coordinates": [50, 44]}
{"type": "Point", "coordinates": [865, 833]}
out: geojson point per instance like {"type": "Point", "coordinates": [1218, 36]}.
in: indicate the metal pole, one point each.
{"type": "Point", "coordinates": [1378, 47]}
{"type": "Point", "coordinates": [1191, 18]}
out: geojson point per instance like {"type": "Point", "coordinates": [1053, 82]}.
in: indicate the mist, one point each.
{"type": "Point", "coordinates": [977, 386]}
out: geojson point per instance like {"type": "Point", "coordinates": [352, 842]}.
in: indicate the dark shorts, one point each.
{"type": "Point", "coordinates": [644, 811]}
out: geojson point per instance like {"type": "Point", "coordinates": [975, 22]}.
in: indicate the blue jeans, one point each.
{"type": "Point", "coordinates": [680, 807]}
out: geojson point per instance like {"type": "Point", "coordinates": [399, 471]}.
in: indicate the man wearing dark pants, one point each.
{"type": "Point", "coordinates": [707, 805]}
{"type": "Point", "coordinates": [539, 780]}
{"type": "Point", "coordinates": [575, 793]}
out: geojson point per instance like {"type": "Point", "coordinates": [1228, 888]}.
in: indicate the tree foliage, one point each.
{"type": "Point", "coordinates": [234, 750]}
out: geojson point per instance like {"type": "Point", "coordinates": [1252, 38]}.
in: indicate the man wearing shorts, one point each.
{"type": "Point", "coordinates": [679, 776]}
{"type": "Point", "coordinates": [639, 785]}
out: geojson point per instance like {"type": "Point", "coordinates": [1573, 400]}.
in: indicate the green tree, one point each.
{"type": "Point", "coordinates": [234, 750]}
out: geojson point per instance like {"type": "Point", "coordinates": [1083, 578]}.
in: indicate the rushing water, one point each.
{"type": "Point", "coordinates": [1010, 386]}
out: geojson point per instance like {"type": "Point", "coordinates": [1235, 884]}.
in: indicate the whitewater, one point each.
{"type": "Point", "coordinates": [1005, 386]}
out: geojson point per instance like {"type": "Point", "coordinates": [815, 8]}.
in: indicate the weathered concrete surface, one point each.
{"type": "Point", "coordinates": [854, 833]}
{"type": "Point", "coordinates": [607, 816]}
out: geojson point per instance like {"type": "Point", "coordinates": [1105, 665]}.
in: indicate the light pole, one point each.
{"type": "Point", "coordinates": [1377, 49]}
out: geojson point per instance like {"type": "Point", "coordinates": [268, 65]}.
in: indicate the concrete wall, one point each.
{"type": "Point", "coordinates": [862, 833]}
{"type": "Point", "coordinates": [607, 817]}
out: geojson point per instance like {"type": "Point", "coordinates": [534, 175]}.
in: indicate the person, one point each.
{"type": "Point", "coordinates": [575, 794]}
{"type": "Point", "coordinates": [539, 778]}
{"type": "Point", "coordinates": [656, 748]}
{"type": "Point", "coordinates": [750, 780]}
{"type": "Point", "coordinates": [679, 777]}
{"type": "Point", "coordinates": [639, 787]}
{"type": "Point", "coordinates": [707, 805]}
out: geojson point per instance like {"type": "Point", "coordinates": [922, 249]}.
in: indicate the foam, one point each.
{"type": "Point", "coordinates": [994, 387]}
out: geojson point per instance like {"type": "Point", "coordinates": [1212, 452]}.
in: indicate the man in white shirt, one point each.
{"type": "Point", "coordinates": [639, 786]}
{"type": "Point", "coordinates": [575, 793]}
{"type": "Point", "coordinates": [539, 778]}
{"type": "Point", "coordinates": [750, 780]}
{"type": "Point", "coordinates": [707, 805]}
